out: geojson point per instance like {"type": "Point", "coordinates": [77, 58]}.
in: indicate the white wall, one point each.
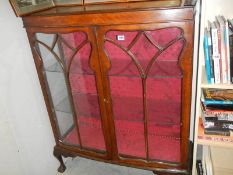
{"type": "Point", "coordinates": [26, 140]}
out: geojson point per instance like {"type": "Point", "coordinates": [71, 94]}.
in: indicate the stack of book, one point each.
{"type": "Point", "coordinates": [217, 111]}
{"type": "Point", "coordinates": [204, 166]}
{"type": "Point", "coordinates": [218, 49]}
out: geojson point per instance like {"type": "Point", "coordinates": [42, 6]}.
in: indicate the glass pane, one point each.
{"type": "Point", "coordinates": [23, 3]}
{"type": "Point", "coordinates": [127, 101]}
{"type": "Point", "coordinates": [109, 1]}
{"type": "Point", "coordinates": [102, 1]}
{"type": "Point", "coordinates": [147, 111]}
{"type": "Point", "coordinates": [57, 87]}
{"type": "Point", "coordinates": [164, 105]}
{"type": "Point", "coordinates": [74, 94]}
{"type": "Point", "coordinates": [67, 2]}
{"type": "Point", "coordinates": [83, 88]}
{"type": "Point", "coordinates": [27, 6]}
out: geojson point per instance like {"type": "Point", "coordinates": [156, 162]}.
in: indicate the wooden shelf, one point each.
{"type": "Point", "coordinates": [204, 83]}
{"type": "Point", "coordinates": [213, 140]}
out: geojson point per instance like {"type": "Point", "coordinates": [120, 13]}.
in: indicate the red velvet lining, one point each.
{"type": "Point", "coordinates": [131, 138]}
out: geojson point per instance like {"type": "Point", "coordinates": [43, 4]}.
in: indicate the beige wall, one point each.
{"type": "Point", "coordinates": [26, 140]}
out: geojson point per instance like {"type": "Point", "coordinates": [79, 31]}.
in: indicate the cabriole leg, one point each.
{"type": "Point", "coordinates": [62, 166]}
{"type": "Point", "coordinates": [164, 173]}
{"type": "Point", "coordinates": [159, 173]}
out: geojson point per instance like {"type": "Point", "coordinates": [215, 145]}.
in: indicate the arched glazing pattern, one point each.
{"type": "Point", "coordinates": [72, 88]}
{"type": "Point", "coordinates": [145, 82]}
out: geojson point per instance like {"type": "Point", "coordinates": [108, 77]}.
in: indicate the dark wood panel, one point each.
{"type": "Point", "coordinates": [98, 19]}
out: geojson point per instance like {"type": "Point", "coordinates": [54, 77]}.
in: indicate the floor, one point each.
{"type": "Point", "coordinates": [81, 166]}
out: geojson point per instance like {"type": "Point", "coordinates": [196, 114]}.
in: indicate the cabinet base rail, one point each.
{"type": "Point", "coordinates": [60, 152]}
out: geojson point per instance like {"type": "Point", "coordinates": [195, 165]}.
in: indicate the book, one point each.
{"type": "Point", "coordinates": [220, 132]}
{"type": "Point", "coordinates": [219, 48]}
{"type": "Point", "coordinates": [203, 162]}
{"type": "Point", "coordinates": [228, 107]}
{"type": "Point", "coordinates": [231, 57]}
{"type": "Point", "coordinates": [199, 167]}
{"type": "Point", "coordinates": [207, 46]}
{"type": "Point", "coordinates": [222, 49]}
{"type": "Point", "coordinates": [215, 52]}
{"type": "Point", "coordinates": [218, 119]}
{"type": "Point", "coordinates": [217, 126]}
{"type": "Point", "coordinates": [218, 115]}
{"type": "Point", "coordinates": [216, 122]}
{"type": "Point", "coordinates": [230, 25]}
{"type": "Point", "coordinates": [218, 96]}
{"type": "Point", "coordinates": [210, 52]}
{"type": "Point", "coordinates": [227, 47]}
{"type": "Point", "coordinates": [218, 139]}
{"type": "Point", "coordinates": [217, 103]}
{"type": "Point", "coordinates": [208, 160]}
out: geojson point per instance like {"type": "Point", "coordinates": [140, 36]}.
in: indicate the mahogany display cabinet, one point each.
{"type": "Point", "coordinates": [116, 79]}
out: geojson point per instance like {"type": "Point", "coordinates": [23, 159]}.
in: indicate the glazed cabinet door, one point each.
{"type": "Point", "coordinates": [147, 70]}
{"type": "Point", "coordinates": [70, 77]}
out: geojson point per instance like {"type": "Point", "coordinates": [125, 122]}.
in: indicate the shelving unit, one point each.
{"type": "Point", "coordinates": [220, 147]}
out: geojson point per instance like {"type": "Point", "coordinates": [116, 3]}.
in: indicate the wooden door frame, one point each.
{"type": "Point", "coordinates": [185, 62]}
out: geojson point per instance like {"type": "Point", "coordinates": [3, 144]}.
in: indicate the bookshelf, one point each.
{"type": "Point", "coordinates": [220, 147]}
